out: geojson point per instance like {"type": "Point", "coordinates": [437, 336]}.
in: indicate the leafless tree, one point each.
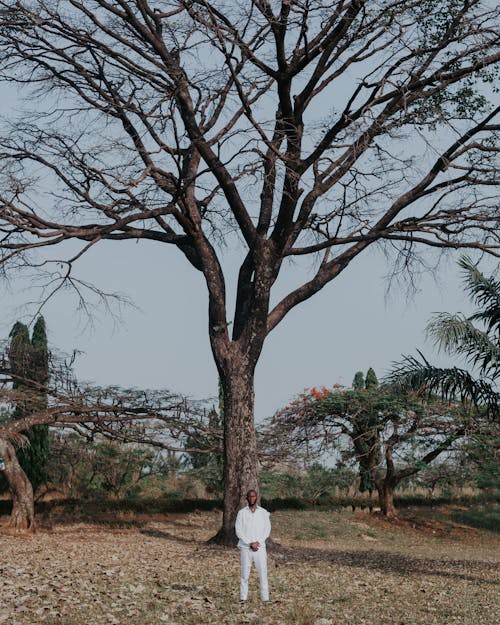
{"type": "Point", "coordinates": [305, 130]}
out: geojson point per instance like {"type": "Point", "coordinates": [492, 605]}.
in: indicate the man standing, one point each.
{"type": "Point", "coordinates": [253, 527]}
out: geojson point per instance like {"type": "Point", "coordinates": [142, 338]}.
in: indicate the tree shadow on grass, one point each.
{"type": "Point", "coordinates": [380, 561]}
{"type": "Point", "coordinates": [388, 562]}
{"type": "Point", "coordinates": [156, 533]}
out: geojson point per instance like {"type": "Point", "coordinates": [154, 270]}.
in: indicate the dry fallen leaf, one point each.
{"type": "Point", "coordinates": [81, 574]}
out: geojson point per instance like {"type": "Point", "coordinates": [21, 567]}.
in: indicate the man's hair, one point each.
{"type": "Point", "coordinates": [252, 490]}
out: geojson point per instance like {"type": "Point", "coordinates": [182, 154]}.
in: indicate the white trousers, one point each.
{"type": "Point", "coordinates": [259, 557]}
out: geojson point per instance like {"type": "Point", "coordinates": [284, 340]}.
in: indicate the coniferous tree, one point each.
{"type": "Point", "coordinates": [19, 358]}
{"type": "Point", "coordinates": [365, 426]}
{"type": "Point", "coordinates": [371, 380]}
{"type": "Point", "coordinates": [29, 363]}
{"type": "Point", "coordinates": [40, 355]}
{"type": "Point", "coordinates": [359, 381]}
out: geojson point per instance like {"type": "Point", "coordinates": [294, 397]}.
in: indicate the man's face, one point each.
{"type": "Point", "coordinates": [252, 498]}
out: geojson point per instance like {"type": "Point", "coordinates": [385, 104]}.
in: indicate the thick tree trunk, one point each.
{"type": "Point", "coordinates": [23, 507]}
{"type": "Point", "coordinates": [240, 450]}
{"type": "Point", "coordinates": [386, 499]}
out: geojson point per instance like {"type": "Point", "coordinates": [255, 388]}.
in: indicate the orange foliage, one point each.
{"type": "Point", "coordinates": [320, 393]}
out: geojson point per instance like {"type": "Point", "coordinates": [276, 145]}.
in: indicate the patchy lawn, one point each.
{"type": "Point", "coordinates": [329, 568]}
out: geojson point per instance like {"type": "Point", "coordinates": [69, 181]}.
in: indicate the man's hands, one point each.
{"type": "Point", "coordinates": [255, 546]}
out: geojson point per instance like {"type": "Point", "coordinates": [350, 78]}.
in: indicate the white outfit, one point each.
{"type": "Point", "coordinates": [253, 527]}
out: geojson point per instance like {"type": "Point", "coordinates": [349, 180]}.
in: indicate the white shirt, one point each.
{"type": "Point", "coordinates": [252, 527]}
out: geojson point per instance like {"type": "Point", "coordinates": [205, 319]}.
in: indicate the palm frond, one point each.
{"type": "Point", "coordinates": [484, 292]}
{"type": "Point", "coordinates": [456, 334]}
{"type": "Point", "coordinates": [452, 384]}
{"type": "Point", "coordinates": [490, 317]}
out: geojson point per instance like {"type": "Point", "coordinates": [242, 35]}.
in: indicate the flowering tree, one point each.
{"type": "Point", "coordinates": [303, 130]}
{"type": "Point", "coordinates": [392, 435]}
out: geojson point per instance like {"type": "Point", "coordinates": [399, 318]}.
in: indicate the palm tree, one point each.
{"type": "Point", "coordinates": [458, 335]}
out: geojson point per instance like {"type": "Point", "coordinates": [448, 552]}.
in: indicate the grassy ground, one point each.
{"type": "Point", "coordinates": [329, 568]}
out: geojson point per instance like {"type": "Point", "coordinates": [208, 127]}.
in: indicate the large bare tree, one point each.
{"type": "Point", "coordinates": [304, 130]}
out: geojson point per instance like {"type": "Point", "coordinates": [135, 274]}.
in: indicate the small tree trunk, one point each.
{"type": "Point", "coordinates": [386, 499]}
{"type": "Point", "coordinates": [240, 450]}
{"type": "Point", "coordinates": [23, 507]}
